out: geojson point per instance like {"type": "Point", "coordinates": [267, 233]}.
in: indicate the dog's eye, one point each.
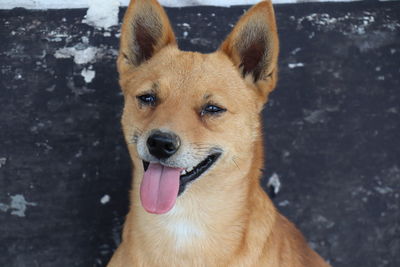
{"type": "Point", "coordinates": [212, 110]}
{"type": "Point", "coordinates": [147, 99]}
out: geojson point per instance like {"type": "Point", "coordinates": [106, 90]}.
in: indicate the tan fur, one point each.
{"type": "Point", "coordinates": [224, 218]}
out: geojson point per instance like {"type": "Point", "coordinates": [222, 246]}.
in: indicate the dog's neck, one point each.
{"type": "Point", "coordinates": [204, 215]}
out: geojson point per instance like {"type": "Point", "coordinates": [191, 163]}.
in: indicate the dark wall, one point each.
{"type": "Point", "coordinates": [331, 128]}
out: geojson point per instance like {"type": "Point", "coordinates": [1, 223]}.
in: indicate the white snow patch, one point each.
{"type": "Point", "coordinates": [81, 55]}
{"type": "Point", "coordinates": [274, 182]}
{"type": "Point", "coordinates": [295, 65]}
{"type": "Point", "coordinates": [105, 199]}
{"type": "Point", "coordinates": [57, 4]}
{"type": "Point", "coordinates": [102, 13]}
{"type": "Point", "coordinates": [17, 205]}
{"type": "Point", "coordinates": [88, 75]}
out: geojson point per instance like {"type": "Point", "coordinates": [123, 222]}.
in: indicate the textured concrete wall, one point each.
{"type": "Point", "coordinates": [331, 128]}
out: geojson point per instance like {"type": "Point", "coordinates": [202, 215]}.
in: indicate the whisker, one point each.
{"type": "Point", "coordinates": [135, 137]}
{"type": "Point", "coordinates": [233, 159]}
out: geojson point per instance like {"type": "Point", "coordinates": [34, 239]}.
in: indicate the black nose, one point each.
{"type": "Point", "coordinates": [163, 145]}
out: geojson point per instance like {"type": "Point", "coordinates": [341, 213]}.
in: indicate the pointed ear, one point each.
{"type": "Point", "coordinates": [145, 31]}
{"type": "Point", "coordinates": [253, 46]}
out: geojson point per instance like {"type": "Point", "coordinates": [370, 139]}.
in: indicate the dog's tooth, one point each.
{"type": "Point", "coordinates": [183, 172]}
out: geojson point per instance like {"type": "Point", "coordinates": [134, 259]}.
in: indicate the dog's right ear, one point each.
{"type": "Point", "coordinates": [253, 47]}
{"type": "Point", "coordinates": [145, 30]}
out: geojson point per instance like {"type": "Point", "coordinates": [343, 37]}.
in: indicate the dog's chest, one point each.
{"type": "Point", "coordinates": [183, 231]}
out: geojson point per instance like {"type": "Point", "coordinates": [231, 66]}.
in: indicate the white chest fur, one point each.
{"type": "Point", "coordinates": [182, 228]}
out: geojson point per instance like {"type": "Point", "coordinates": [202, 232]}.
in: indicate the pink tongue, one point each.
{"type": "Point", "coordinates": [159, 188]}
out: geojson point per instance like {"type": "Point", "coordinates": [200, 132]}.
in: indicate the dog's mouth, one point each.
{"type": "Point", "coordinates": [190, 174]}
{"type": "Point", "coordinates": [162, 184]}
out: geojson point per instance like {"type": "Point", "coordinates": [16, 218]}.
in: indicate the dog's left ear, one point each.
{"type": "Point", "coordinates": [253, 47]}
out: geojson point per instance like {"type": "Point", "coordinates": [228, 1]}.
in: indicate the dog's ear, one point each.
{"type": "Point", "coordinates": [145, 30]}
{"type": "Point", "coordinates": [253, 47]}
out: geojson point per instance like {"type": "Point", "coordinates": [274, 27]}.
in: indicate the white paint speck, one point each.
{"type": "Point", "coordinates": [3, 161]}
{"type": "Point", "coordinates": [187, 25]}
{"type": "Point", "coordinates": [274, 182]}
{"type": "Point", "coordinates": [185, 34]}
{"type": "Point", "coordinates": [78, 154]}
{"type": "Point", "coordinates": [284, 203]}
{"type": "Point", "coordinates": [85, 39]}
{"type": "Point", "coordinates": [4, 207]}
{"type": "Point", "coordinates": [324, 221]}
{"type": "Point", "coordinates": [18, 205]}
{"type": "Point", "coordinates": [295, 65]}
{"type": "Point", "coordinates": [295, 51]}
{"type": "Point", "coordinates": [105, 199]}
{"type": "Point", "coordinates": [315, 116]}
{"type": "Point", "coordinates": [51, 88]}
{"type": "Point", "coordinates": [88, 75]}
{"type": "Point", "coordinates": [80, 55]}
{"type": "Point", "coordinates": [383, 190]}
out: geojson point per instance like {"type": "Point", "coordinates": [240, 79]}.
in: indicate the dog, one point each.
{"type": "Point", "coordinates": [192, 125]}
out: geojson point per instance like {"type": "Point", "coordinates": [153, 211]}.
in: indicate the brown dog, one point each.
{"type": "Point", "coordinates": [192, 125]}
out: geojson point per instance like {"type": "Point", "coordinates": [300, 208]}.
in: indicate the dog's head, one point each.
{"type": "Point", "coordinates": [189, 115]}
